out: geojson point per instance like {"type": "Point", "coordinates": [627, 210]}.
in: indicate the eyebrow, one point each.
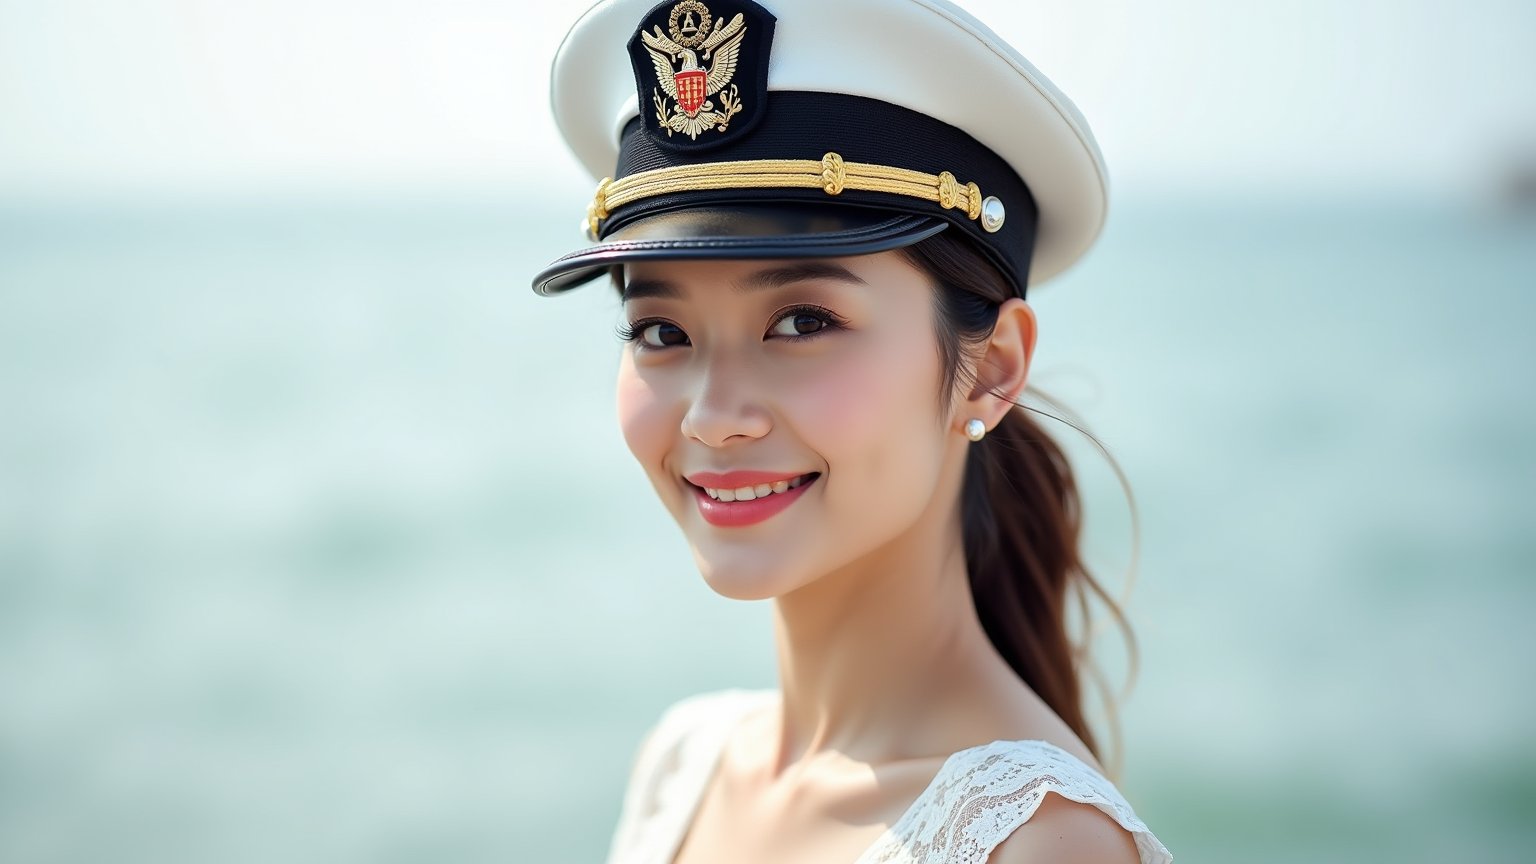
{"type": "Point", "coordinates": [772, 277]}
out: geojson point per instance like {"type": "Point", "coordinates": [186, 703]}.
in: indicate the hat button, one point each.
{"type": "Point", "coordinates": [992, 214]}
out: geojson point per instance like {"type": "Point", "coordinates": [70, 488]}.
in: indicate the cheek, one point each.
{"type": "Point", "coordinates": [647, 417]}
{"type": "Point", "coordinates": [876, 404]}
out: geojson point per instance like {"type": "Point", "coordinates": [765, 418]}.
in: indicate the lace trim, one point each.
{"type": "Point", "coordinates": [673, 765]}
{"type": "Point", "coordinates": [982, 794]}
{"type": "Point", "coordinates": [978, 797]}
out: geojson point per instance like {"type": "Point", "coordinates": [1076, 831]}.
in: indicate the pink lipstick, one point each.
{"type": "Point", "coordinates": [740, 498]}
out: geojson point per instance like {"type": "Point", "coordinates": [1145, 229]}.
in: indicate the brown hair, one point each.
{"type": "Point", "coordinates": [1019, 506]}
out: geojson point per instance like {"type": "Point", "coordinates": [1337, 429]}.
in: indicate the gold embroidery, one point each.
{"type": "Point", "coordinates": [974, 192]}
{"type": "Point", "coordinates": [689, 23]}
{"type": "Point", "coordinates": [949, 190]}
{"type": "Point", "coordinates": [690, 86]}
{"type": "Point", "coordinates": [831, 174]}
{"type": "Point", "coordinates": [834, 175]}
{"type": "Point", "coordinates": [597, 211]}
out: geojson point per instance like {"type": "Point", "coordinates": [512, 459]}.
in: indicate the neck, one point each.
{"type": "Point", "coordinates": [867, 653]}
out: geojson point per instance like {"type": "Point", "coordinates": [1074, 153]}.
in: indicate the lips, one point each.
{"type": "Point", "coordinates": [740, 498]}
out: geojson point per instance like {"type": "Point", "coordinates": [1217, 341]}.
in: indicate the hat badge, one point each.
{"type": "Point", "coordinates": [682, 98]}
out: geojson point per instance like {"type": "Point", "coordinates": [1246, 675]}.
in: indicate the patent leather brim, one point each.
{"type": "Point", "coordinates": [761, 231]}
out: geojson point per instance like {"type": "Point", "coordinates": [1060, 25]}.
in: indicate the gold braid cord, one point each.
{"type": "Point", "coordinates": [831, 175]}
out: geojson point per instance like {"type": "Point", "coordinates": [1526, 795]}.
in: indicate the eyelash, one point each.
{"type": "Point", "coordinates": [830, 320]}
{"type": "Point", "coordinates": [631, 332]}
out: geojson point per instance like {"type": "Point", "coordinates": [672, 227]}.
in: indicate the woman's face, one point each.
{"type": "Point", "coordinates": [786, 411]}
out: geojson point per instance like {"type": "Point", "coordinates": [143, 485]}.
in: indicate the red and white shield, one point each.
{"type": "Point", "coordinates": [690, 89]}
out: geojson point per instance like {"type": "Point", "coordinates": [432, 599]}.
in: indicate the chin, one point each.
{"type": "Point", "coordinates": [746, 573]}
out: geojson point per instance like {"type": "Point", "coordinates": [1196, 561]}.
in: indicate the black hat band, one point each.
{"type": "Point", "coordinates": [839, 150]}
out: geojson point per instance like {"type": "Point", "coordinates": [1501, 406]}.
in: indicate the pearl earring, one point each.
{"type": "Point", "coordinates": [975, 429]}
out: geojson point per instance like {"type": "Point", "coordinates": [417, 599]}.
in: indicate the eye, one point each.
{"type": "Point", "coordinates": [805, 321]}
{"type": "Point", "coordinates": [663, 334]}
{"type": "Point", "coordinates": [654, 333]}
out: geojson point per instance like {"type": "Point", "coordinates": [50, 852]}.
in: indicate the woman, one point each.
{"type": "Point", "coordinates": [822, 223]}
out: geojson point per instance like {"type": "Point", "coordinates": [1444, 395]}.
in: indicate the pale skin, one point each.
{"type": "Point", "coordinates": [832, 368]}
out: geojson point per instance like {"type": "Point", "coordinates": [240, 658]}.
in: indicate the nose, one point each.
{"type": "Point", "coordinates": [725, 408]}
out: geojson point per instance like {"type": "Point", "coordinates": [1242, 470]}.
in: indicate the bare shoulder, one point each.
{"type": "Point", "coordinates": [1062, 831]}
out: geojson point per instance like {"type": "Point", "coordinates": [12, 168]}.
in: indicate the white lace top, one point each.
{"type": "Point", "coordinates": [979, 796]}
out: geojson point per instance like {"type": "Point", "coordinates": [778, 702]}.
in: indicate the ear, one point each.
{"type": "Point", "coordinates": [1003, 368]}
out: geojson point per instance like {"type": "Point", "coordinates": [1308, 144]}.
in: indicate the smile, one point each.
{"type": "Point", "coordinates": [726, 504]}
{"type": "Point", "coordinates": [761, 490]}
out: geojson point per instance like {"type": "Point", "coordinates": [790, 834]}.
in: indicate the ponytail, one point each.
{"type": "Point", "coordinates": [1020, 508]}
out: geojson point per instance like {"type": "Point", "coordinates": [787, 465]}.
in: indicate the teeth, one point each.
{"type": "Point", "coordinates": [752, 493]}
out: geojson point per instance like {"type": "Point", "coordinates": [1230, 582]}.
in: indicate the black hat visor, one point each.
{"type": "Point", "coordinates": [744, 231]}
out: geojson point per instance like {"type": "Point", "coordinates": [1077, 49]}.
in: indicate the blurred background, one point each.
{"type": "Point", "coordinates": [318, 542]}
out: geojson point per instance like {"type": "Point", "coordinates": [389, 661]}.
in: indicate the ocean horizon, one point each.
{"type": "Point", "coordinates": [318, 541]}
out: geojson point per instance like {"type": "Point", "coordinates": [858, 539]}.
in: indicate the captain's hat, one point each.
{"type": "Point", "coordinates": [817, 128]}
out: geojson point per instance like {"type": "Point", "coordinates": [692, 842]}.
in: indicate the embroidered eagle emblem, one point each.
{"type": "Point", "coordinates": [689, 86]}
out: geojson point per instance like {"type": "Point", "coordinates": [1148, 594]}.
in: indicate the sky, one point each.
{"type": "Point", "coordinates": [149, 98]}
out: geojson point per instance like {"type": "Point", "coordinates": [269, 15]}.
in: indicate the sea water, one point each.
{"type": "Point", "coordinates": [318, 542]}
